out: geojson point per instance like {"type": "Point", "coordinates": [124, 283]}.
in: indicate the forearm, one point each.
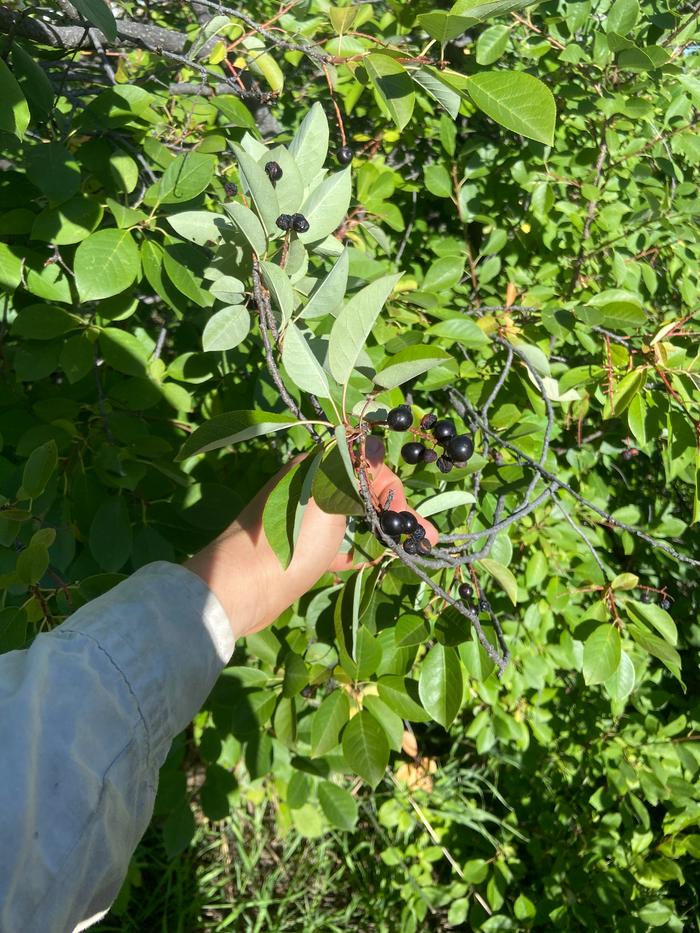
{"type": "Point", "coordinates": [87, 715]}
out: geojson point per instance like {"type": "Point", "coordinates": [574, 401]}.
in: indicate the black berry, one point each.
{"type": "Point", "coordinates": [428, 456]}
{"type": "Point", "coordinates": [300, 223]}
{"type": "Point", "coordinates": [410, 546]}
{"type": "Point", "coordinates": [418, 533]}
{"type": "Point", "coordinates": [646, 596]}
{"type": "Point", "coordinates": [444, 430]}
{"type": "Point", "coordinates": [274, 172]}
{"type": "Point", "coordinates": [443, 464]}
{"type": "Point", "coordinates": [284, 221]}
{"type": "Point", "coordinates": [400, 419]}
{"type": "Point", "coordinates": [345, 155]}
{"type": "Point", "coordinates": [230, 189]}
{"type": "Point", "coordinates": [412, 452]}
{"type": "Point", "coordinates": [665, 603]}
{"type": "Point", "coordinates": [424, 546]}
{"type": "Point", "coordinates": [427, 421]}
{"type": "Point", "coordinates": [465, 591]}
{"type": "Point", "coordinates": [484, 605]}
{"type": "Point", "coordinates": [391, 523]}
{"type": "Point", "coordinates": [460, 448]}
{"type": "Point", "coordinates": [410, 522]}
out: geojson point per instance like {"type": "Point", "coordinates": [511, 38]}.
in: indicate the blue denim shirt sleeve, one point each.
{"type": "Point", "coordinates": [87, 715]}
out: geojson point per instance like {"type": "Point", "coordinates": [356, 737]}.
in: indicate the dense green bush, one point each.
{"type": "Point", "coordinates": [514, 245]}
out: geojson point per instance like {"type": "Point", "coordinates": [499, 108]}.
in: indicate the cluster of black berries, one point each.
{"type": "Point", "coordinates": [293, 222]}
{"type": "Point", "coordinates": [273, 171]}
{"type": "Point", "coordinates": [457, 448]}
{"type": "Point", "coordinates": [664, 602]}
{"type": "Point", "coordinates": [465, 594]}
{"type": "Point", "coordinates": [396, 524]}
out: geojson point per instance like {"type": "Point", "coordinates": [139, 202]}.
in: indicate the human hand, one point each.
{"type": "Point", "coordinates": [241, 568]}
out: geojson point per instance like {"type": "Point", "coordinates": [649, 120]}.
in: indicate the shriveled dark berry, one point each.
{"type": "Point", "coordinates": [465, 591]}
{"type": "Point", "coordinates": [345, 155]}
{"type": "Point", "coordinates": [444, 430]}
{"type": "Point", "coordinates": [418, 533]}
{"type": "Point", "coordinates": [391, 522]}
{"type": "Point", "coordinates": [427, 421]}
{"type": "Point", "coordinates": [309, 692]}
{"type": "Point", "coordinates": [400, 419]}
{"type": "Point", "coordinates": [645, 597]}
{"type": "Point", "coordinates": [424, 546]}
{"type": "Point", "coordinates": [443, 464]}
{"type": "Point", "coordinates": [460, 448]}
{"type": "Point", "coordinates": [410, 546]}
{"type": "Point", "coordinates": [665, 603]}
{"type": "Point", "coordinates": [300, 223]}
{"type": "Point", "coordinates": [429, 456]}
{"type": "Point", "coordinates": [284, 221]}
{"type": "Point", "coordinates": [274, 171]}
{"type": "Point", "coordinates": [410, 522]}
{"type": "Point", "coordinates": [230, 189]}
{"type": "Point", "coordinates": [412, 452]}
{"type": "Point", "coordinates": [484, 605]}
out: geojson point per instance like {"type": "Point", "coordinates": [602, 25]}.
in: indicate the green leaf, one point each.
{"type": "Point", "coordinates": [621, 684]}
{"type": "Point", "coordinates": [444, 501]}
{"type": "Point", "coordinates": [443, 274]}
{"type": "Point", "coordinates": [411, 630]}
{"type": "Point", "coordinates": [443, 26]}
{"type": "Point", "coordinates": [622, 16]}
{"type": "Point", "coordinates": [615, 309]}
{"type": "Point", "coordinates": [338, 804]}
{"type": "Point", "coordinates": [504, 577]}
{"type": "Point", "coordinates": [627, 388]}
{"type": "Point", "coordinates": [367, 653]}
{"type": "Point", "coordinates": [393, 85]}
{"type": "Point", "coordinates": [354, 324]}
{"type": "Point", "coordinates": [625, 581]}
{"type": "Point", "coordinates": [124, 352]}
{"type": "Point", "coordinates": [434, 84]}
{"type": "Point", "coordinates": [409, 363]}
{"type": "Point", "coordinates": [259, 187]}
{"type": "Point", "coordinates": [387, 719]}
{"type": "Point", "coordinates": [327, 722]}
{"type": "Point", "coordinates": [249, 225]}
{"type": "Point", "coordinates": [516, 100]}
{"type": "Point", "coordinates": [601, 654]}
{"type": "Point", "coordinates": [326, 206]}
{"type": "Point", "coordinates": [301, 365]}
{"type": "Point", "coordinates": [285, 506]}
{"type": "Point", "coordinates": [38, 469]}
{"type": "Point", "coordinates": [54, 170]}
{"type": "Point", "coordinates": [43, 322]}
{"type": "Point", "coordinates": [226, 329]}
{"type": "Point", "coordinates": [440, 684]}
{"type": "Point", "coordinates": [463, 330]}
{"type": "Point", "coordinates": [486, 9]}
{"type": "Point", "coordinates": [296, 676]}
{"type": "Point", "coordinates": [657, 647]}
{"type": "Point", "coordinates": [332, 490]}
{"type": "Point", "coordinates": [110, 534]}
{"type": "Point", "coordinates": [106, 263]}
{"type": "Point", "coordinates": [280, 288]}
{"type": "Point", "coordinates": [32, 564]}
{"type": "Point", "coordinates": [33, 81]}
{"type": "Point", "coordinates": [658, 618]}
{"type": "Point", "coordinates": [491, 44]}
{"type": "Point", "coordinates": [329, 294]}
{"type": "Point", "coordinates": [309, 146]}
{"type": "Point", "coordinates": [438, 181]}
{"type": "Point", "coordinates": [365, 748]}
{"type": "Point", "coordinates": [200, 227]}
{"type": "Point", "coordinates": [70, 223]}
{"type": "Point", "coordinates": [401, 695]}
{"type": "Point", "coordinates": [98, 13]}
{"type": "Point", "coordinates": [14, 110]}
{"type": "Point", "coordinates": [232, 428]}
{"type": "Point", "coordinates": [187, 176]}
{"type": "Point", "coordinates": [298, 790]}
{"type": "Point", "coordinates": [10, 267]}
